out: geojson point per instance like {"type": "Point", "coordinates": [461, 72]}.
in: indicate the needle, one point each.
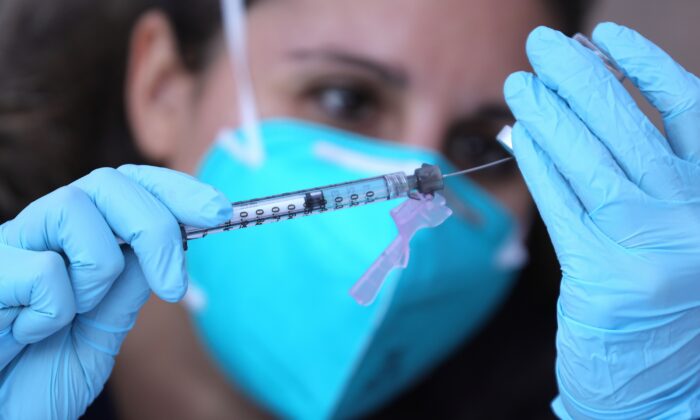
{"type": "Point", "coordinates": [478, 168]}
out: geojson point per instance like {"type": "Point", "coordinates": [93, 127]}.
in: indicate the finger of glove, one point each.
{"type": "Point", "coordinates": [557, 203]}
{"type": "Point", "coordinates": [599, 100]}
{"type": "Point", "coordinates": [35, 294]}
{"type": "Point", "coordinates": [579, 156]}
{"type": "Point", "coordinates": [99, 333]}
{"type": "Point", "coordinates": [67, 221]}
{"type": "Point", "coordinates": [146, 224]}
{"type": "Point", "coordinates": [190, 201]}
{"type": "Point", "coordinates": [671, 89]}
{"type": "Point", "coordinates": [9, 348]}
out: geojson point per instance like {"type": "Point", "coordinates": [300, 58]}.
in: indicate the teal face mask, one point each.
{"type": "Point", "coordinates": [273, 304]}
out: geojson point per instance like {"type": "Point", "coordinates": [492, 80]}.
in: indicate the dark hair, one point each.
{"type": "Point", "coordinates": [571, 14]}
{"type": "Point", "coordinates": [62, 110]}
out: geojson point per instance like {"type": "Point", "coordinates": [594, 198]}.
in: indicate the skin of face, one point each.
{"type": "Point", "coordinates": [405, 70]}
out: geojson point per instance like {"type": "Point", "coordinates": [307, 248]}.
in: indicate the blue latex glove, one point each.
{"type": "Point", "coordinates": [622, 205]}
{"type": "Point", "coordinates": [69, 294]}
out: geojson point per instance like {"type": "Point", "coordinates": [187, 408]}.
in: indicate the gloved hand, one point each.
{"type": "Point", "coordinates": [621, 202]}
{"type": "Point", "coordinates": [69, 294]}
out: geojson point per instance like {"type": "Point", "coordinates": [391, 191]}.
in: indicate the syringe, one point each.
{"type": "Point", "coordinates": [425, 180]}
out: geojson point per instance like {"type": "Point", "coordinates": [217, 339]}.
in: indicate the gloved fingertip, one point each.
{"type": "Point", "coordinates": [174, 291]}
{"type": "Point", "coordinates": [607, 31]}
{"type": "Point", "coordinates": [224, 214]}
{"type": "Point", "coordinates": [85, 305]}
{"type": "Point", "coordinates": [515, 85]}
{"type": "Point", "coordinates": [173, 284]}
{"type": "Point", "coordinates": [128, 169]}
{"type": "Point", "coordinates": [171, 297]}
{"type": "Point", "coordinates": [217, 208]}
{"type": "Point", "coordinates": [542, 39]}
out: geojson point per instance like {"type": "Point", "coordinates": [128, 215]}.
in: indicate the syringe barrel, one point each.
{"type": "Point", "coordinates": [426, 180]}
{"type": "Point", "coordinates": [312, 201]}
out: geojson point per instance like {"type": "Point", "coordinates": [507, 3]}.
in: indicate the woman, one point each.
{"type": "Point", "coordinates": [376, 83]}
{"type": "Point", "coordinates": [434, 81]}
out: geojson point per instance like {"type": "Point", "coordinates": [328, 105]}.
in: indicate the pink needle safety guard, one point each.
{"type": "Point", "coordinates": [414, 214]}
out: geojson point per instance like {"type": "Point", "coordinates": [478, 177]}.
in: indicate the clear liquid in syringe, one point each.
{"type": "Point", "coordinates": [308, 202]}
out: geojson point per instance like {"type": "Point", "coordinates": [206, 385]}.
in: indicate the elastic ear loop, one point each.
{"type": "Point", "coordinates": [250, 147]}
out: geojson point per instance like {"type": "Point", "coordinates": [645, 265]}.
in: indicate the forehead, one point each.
{"type": "Point", "coordinates": [438, 43]}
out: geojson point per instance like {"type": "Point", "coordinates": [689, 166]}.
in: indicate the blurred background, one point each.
{"type": "Point", "coordinates": [670, 24]}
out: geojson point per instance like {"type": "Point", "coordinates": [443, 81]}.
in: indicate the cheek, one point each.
{"type": "Point", "coordinates": [215, 108]}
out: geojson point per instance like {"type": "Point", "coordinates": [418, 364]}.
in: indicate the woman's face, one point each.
{"type": "Point", "coordinates": [422, 72]}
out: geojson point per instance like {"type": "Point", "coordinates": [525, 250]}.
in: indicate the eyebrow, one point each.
{"type": "Point", "coordinates": [390, 75]}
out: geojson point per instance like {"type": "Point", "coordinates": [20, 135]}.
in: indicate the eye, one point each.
{"type": "Point", "coordinates": [473, 143]}
{"type": "Point", "coordinates": [345, 103]}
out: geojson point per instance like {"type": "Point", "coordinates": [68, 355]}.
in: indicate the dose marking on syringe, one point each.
{"type": "Point", "coordinates": [304, 203]}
